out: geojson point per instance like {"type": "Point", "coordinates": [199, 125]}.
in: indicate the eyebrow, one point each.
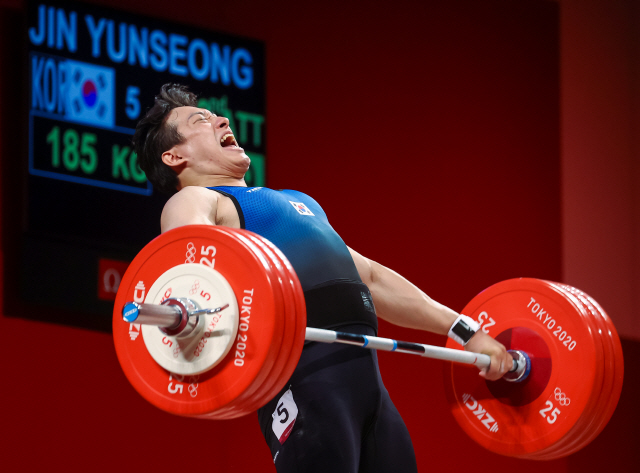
{"type": "Point", "coordinates": [199, 112]}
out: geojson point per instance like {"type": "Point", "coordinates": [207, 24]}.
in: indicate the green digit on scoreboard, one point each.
{"type": "Point", "coordinates": [78, 150]}
{"type": "Point", "coordinates": [53, 138]}
{"type": "Point", "coordinates": [70, 154]}
{"type": "Point", "coordinates": [88, 150]}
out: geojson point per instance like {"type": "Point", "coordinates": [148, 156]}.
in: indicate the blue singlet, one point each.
{"type": "Point", "coordinates": [296, 224]}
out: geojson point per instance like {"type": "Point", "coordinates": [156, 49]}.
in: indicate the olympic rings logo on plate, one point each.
{"type": "Point", "coordinates": [193, 389]}
{"type": "Point", "coordinates": [561, 397]}
{"type": "Point", "coordinates": [195, 287]}
{"type": "Point", "coordinates": [191, 253]}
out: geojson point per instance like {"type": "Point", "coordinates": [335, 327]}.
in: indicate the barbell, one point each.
{"type": "Point", "coordinates": [223, 322]}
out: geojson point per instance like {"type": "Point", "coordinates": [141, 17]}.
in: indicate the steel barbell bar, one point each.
{"type": "Point", "coordinates": [177, 317]}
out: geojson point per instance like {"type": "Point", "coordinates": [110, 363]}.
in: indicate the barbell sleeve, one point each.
{"type": "Point", "coordinates": [166, 316]}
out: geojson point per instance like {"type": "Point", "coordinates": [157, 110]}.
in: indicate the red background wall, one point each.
{"type": "Point", "coordinates": [600, 84]}
{"type": "Point", "coordinates": [429, 131]}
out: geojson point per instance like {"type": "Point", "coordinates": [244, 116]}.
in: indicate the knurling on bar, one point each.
{"type": "Point", "coordinates": [519, 372]}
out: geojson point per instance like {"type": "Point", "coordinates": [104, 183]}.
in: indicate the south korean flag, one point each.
{"type": "Point", "coordinates": [90, 94]}
{"type": "Point", "coordinates": [301, 208]}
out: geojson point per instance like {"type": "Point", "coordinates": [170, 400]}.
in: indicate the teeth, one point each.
{"type": "Point", "coordinates": [224, 137]}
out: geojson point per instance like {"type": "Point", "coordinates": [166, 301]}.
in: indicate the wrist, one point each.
{"type": "Point", "coordinates": [463, 329]}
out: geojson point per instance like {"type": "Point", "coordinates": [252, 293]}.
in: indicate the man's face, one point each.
{"type": "Point", "coordinates": [209, 147]}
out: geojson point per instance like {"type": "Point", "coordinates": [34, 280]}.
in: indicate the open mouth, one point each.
{"type": "Point", "coordinates": [228, 140]}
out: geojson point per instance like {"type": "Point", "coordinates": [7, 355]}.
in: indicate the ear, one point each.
{"type": "Point", "coordinates": [172, 159]}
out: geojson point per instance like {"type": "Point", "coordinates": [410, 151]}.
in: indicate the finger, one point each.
{"type": "Point", "coordinates": [506, 365]}
{"type": "Point", "coordinates": [489, 373]}
{"type": "Point", "coordinates": [497, 368]}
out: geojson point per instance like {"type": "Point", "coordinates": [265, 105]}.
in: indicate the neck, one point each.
{"type": "Point", "coordinates": [213, 181]}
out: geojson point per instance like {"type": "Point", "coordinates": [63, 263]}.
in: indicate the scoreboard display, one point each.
{"type": "Point", "coordinates": [92, 74]}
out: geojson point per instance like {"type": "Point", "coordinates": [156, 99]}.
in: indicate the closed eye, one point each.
{"type": "Point", "coordinates": [203, 116]}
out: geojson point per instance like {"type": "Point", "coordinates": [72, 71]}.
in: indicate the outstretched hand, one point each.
{"type": "Point", "coordinates": [501, 360]}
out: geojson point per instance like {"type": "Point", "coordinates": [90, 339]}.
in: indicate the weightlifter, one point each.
{"type": "Point", "coordinates": [345, 420]}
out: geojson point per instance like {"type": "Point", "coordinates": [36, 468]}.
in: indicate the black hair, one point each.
{"type": "Point", "coordinates": [154, 136]}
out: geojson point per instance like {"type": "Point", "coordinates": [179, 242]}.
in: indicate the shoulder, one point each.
{"type": "Point", "coordinates": [191, 196]}
{"type": "Point", "coordinates": [190, 206]}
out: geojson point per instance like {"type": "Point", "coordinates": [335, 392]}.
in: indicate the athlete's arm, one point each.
{"type": "Point", "coordinates": [190, 206]}
{"type": "Point", "coordinates": [400, 302]}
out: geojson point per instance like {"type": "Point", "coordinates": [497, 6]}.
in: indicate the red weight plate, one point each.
{"type": "Point", "coordinates": [280, 375]}
{"type": "Point", "coordinates": [580, 429]}
{"type": "Point", "coordinates": [578, 436]}
{"type": "Point", "coordinates": [612, 383]}
{"type": "Point", "coordinates": [577, 432]}
{"type": "Point", "coordinates": [300, 316]}
{"type": "Point", "coordinates": [517, 423]}
{"type": "Point", "coordinates": [597, 415]}
{"type": "Point", "coordinates": [255, 396]}
{"type": "Point", "coordinates": [251, 280]}
{"type": "Point", "coordinates": [294, 290]}
{"type": "Point", "coordinates": [611, 334]}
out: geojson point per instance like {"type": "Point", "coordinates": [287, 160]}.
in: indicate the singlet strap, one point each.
{"type": "Point", "coordinates": [235, 203]}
